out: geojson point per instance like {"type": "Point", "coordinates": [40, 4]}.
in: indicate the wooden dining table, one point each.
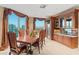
{"type": "Point", "coordinates": [29, 42]}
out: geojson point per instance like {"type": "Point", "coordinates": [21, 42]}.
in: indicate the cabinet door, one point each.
{"type": "Point", "coordinates": [74, 43]}
{"type": "Point", "coordinates": [60, 39]}
{"type": "Point", "coordinates": [56, 37]}
{"type": "Point", "coordinates": [64, 40]}
{"type": "Point", "coordinates": [67, 41]}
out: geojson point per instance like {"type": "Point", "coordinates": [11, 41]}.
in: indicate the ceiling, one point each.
{"type": "Point", "coordinates": [34, 10]}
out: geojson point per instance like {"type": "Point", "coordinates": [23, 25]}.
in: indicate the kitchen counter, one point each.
{"type": "Point", "coordinates": [68, 40]}
{"type": "Point", "coordinates": [66, 35]}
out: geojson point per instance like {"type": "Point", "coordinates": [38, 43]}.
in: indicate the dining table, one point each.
{"type": "Point", "coordinates": [29, 42]}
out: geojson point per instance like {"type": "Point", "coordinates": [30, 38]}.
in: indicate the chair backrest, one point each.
{"type": "Point", "coordinates": [12, 39]}
{"type": "Point", "coordinates": [41, 35]}
{"type": "Point", "coordinates": [21, 34]}
{"type": "Point", "coordinates": [44, 33]}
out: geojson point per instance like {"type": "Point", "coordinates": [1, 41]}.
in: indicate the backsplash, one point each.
{"type": "Point", "coordinates": [70, 31]}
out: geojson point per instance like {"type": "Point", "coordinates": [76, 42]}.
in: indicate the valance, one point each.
{"type": "Point", "coordinates": [41, 19]}
{"type": "Point", "coordinates": [9, 11]}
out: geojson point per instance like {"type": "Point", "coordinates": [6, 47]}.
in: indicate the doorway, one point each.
{"type": "Point", "coordinates": [48, 29]}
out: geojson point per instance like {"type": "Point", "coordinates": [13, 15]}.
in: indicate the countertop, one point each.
{"type": "Point", "coordinates": [65, 35]}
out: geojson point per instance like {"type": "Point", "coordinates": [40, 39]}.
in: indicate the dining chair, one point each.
{"type": "Point", "coordinates": [14, 48]}
{"type": "Point", "coordinates": [21, 34]}
{"type": "Point", "coordinates": [36, 43]}
{"type": "Point", "coordinates": [44, 35]}
{"type": "Point", "coordinates": [42, 38]}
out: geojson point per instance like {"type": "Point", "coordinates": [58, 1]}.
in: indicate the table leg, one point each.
{"type": "Point", "coordinates": [30, 51]}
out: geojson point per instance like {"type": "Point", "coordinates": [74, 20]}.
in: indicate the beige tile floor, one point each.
{"type": "Point", "coordinates": [51, 48]}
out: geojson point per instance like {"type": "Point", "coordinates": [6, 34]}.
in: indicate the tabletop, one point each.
{"type": "Point", "coordinates": [28, 41]}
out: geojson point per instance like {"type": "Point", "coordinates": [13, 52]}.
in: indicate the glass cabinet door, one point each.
{"type": "Point", "coordinates": [68, 23]}
{"type": "Point", "coordinates": [62, 23]}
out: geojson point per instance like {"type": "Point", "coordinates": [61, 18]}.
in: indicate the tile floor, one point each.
{"type": "Point", "coordinates": [51, 48]}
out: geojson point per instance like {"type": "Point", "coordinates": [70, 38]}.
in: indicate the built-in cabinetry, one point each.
{"type": "Point", "coordinates": [67, 19]}
{"type": "Point", "coordinates": [66, 24]}
{"type": "Point", "coordinates": [56, 24]}
{"type": "Point", "coordinates": [70, 41]}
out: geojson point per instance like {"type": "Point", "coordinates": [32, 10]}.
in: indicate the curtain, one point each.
{"type": "Point", "coordinates": [17, 13]}
{"type": "Point", "coordinates": [5, 30]}
{"type": "Point", "coordinates": [34, 23]}
{"type": "Point", "coordinates": [9, 11]}
{"type": "Point", "coordinates": [4, 43]}
{"type": "Point", "coordinates": [27, 22]}
{"type": "Point", "coordinates": [41, 19]}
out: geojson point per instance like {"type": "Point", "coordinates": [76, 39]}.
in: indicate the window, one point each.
{"type": "Point", "coordinates": [39, 24]}
{"type": "Point", "coordinates": [23, 23]}
{"type": "Point", "coordinates": [15, 23]}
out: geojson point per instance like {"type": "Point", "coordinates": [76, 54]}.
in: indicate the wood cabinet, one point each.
{"type": "Point", "coordinates": [71, 42]}
{"type": "Point", "coordinates": [67, 41]}
{"type": "Point", "coordinates": [74, 42]}
{"type": "Point", "coordinates": [60, 38]}
{"type": "Point", "coordinates": [56, 37]}
{"type": "Point", "coordinates": [56, 24]}
{"type": "Point", "coordinates": [68, 14]}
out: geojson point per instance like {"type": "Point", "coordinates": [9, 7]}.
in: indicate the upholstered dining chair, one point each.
{"type": "Point", "coordinates": [14, 48]}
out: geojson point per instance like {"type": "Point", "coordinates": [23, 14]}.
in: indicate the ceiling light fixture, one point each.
{"type": "Point", "coordinates": [42, 6]}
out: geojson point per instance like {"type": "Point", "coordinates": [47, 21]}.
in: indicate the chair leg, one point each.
{"type": "Point", "coordinates": [27, 52]}
{"type": "Point", "coordinates": [39, 49]}
{"type": "Point", "coordinates": [42, 45]}
{"type": "Point", "coordinates": [44, 42]}
{"type": "Point", "coordinates": [9, 53]}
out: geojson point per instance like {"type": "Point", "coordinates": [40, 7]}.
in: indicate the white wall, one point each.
{"type": "Point", "coordinates": [1, 18]}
